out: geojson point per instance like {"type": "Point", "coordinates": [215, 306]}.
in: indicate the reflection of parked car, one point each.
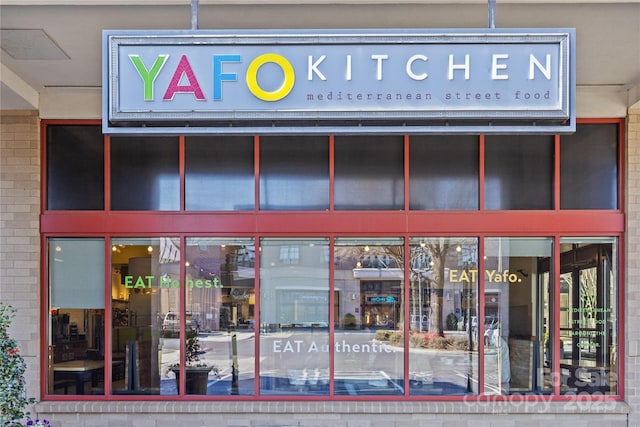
{"type": "Point", "coordinates": [418, 323]}
{"type": "Point", "coordinates": [491, 326]}
{"type": "Point", "coordinates": [420, 379]}
{"type": "Point", "coordinates": [171, 323]}
{"type": "Point", "coordinates": [420, 373]}
{"type": "Point", "coordinates": [491, 330]}
{"type": "Point", "coordinates": [474, 324]}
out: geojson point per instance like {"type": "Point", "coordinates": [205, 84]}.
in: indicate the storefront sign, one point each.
{"type": "Point", "coordinates": [302, 346]}
{"type": "Point", "coordinates": [491, 276]}
{"type": "Point", "coordinates": [147, 282]}
{"type": "Point", "coordinates": [382, 299]}
{"type": "Point", "coordinates": [332, 81]}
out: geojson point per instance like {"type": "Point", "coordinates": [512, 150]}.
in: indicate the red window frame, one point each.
{"type": "Point", "coordinates": [481, 223]}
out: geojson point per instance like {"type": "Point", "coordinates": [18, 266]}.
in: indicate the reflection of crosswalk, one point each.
{"type": "Point", "coordinates": [489, 387]}
{"type": "Point", "coordinates": [299, 377]}
{"type": "Point", "coordinates": [225, 336]}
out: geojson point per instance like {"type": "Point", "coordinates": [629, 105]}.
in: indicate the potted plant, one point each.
{"type": "Point", "coordinates": [197, 371]}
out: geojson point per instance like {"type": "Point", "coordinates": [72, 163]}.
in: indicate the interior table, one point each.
{"type": "Point", "coordinates": [81, 370]}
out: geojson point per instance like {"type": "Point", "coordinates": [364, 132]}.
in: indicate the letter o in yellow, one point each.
{"type": "Point", "coordinates": [287, 83]}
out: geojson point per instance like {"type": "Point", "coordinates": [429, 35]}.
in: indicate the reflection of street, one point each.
{"type": "Point", "coordinates": [216, 351]}
{"type": "Point", "coordinates": [379, 364]}
{"type": "Point", "coordinates": [364, 365]}
{"type": "Point", "coordinates": [443, 372]}
{"type": "Point", "coordinates": [431, 371]}
{"type": "Point", "coordinates": [491, 370]}
{"type": "Point", "coordinates": [297, 362]}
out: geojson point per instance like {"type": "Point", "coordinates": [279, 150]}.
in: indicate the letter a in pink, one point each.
{"type": "Point", "coordinates": [184, 68]}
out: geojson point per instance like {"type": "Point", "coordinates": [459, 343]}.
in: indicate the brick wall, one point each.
{"type": "Point", "coordinates": [19, 232]}
{"type": "Point", "coordinates": [360, 413]}
{"type": "Point", "coordinates": [632, 259]}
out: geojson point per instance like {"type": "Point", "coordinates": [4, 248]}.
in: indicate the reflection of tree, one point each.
{"type": "Point", "coordinates": [427, 266]}
{"type": "Point", "coordinates": [420, 270]}
{"type": "Point", "coordinates": [395, 253]}
{"type": "Point", "coordinates": [439, 250]}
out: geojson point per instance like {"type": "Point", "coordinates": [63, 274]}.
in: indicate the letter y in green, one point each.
{"type": "Point", "coordinates": [148, 76]}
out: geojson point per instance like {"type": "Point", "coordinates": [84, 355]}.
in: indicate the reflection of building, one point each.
{"type": "Point", "coordinates": [444, 285]}
{"type": "Point", "coordinates": [380, 292]}
{"type": "Point", "coordinates": [294, 287]}
{"type": "Point", "coordinates": [381, 303]}
{"type": "Point", "coordinates": [226, 294]}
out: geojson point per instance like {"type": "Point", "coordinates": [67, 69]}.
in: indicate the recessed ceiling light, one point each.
{"type": "Point", "coordinates": [30, 44]}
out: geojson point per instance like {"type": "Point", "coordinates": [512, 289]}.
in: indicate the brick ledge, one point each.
{"type": "Point", "coordinates": [357, 407]}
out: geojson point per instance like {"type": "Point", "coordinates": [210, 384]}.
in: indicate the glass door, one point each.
{"type": "Point", "coordinates": [588, 316]}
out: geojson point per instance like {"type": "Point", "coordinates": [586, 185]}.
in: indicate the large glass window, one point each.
{"type": "Point", "coordinates": [443, 172]}
{"type": "Point", "coordinates": [443, 347]}
{"type": "Point", "coordinates": [145, 173]}
{"type": "Point", "coordinates": [75, 167]}
{"type": "Point", "coordinates": [294, 173]}
{"type": "Point", "coordinates": [385, 342]}
{"type": "Point", "coordinates": [76, 316]}
{"type": "Point", "coordinates": [588, 315]}
{"type": "Point", "coordinates": [219, 173]}
{"type": "Point", "coordinates": [294, 316]}
{"type": "Point", "coordinates": [220, 316]}
{"type": "Point", "coordinates": [589, 167]}
{"type": "Point", "coordinates": [369, 172]}
{"type": "Point", "coordinates": [518, 172]}
{"type": "Point", "coordinates": [145, 286]}
{"type": "Point", "coordinates": [517, 324]}
{"type": "Point", "coordinates": [369, 309]}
